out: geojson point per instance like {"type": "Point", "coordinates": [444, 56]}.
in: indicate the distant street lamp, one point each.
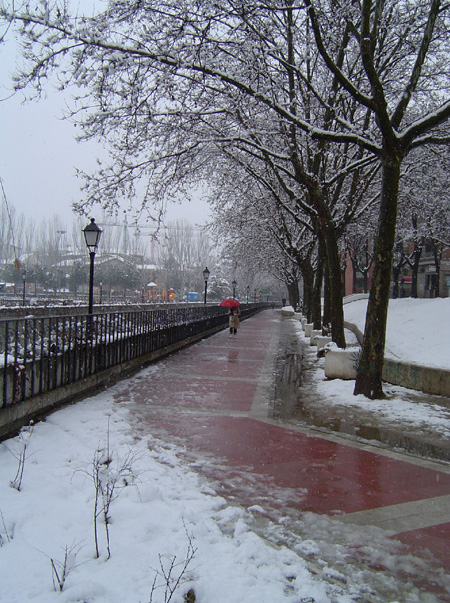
{"type": "Point", "coordinates": [248, 292]}
{"type": "Point", "coordinates": [24, 277]}
{"type": "Point", "coordinates": [101, 292]}
{"type": "Point", "coordinates": [206, 274]}
{"type": "Point", "coordinates": [92, 234]}
{"type": "Point", "coordinates": [234, 283]}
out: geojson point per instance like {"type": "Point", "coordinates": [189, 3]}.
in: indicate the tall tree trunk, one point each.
{"type": "Point", "coordinates": [308, 281]}
{"type": "Point", "coordinates": [329, 244]}
{"type": "Point", "coordinates": [316, 309]}
{"type": "Point", "coordinates": [437, 266]}
{"type": "Point", "coordinates": [369, 375]}
{"type": "Point", "coordinates": [293, 293]}
{"type": "Point", "coordinates": [326, 319]}
{"type": "Point", "coordinates": [343, 274]}
{"type": "Point", "coordinates": [354, 271]}
{"type": "Point", "coordinates": [417, 252]}
{"type": "Point", "coordinates": [415, 274]}
{"type": "Point", "coordinates": [335, 288]}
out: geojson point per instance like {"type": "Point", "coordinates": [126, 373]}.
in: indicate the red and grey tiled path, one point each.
{"type": "Point", "coordinates": [215, 397]}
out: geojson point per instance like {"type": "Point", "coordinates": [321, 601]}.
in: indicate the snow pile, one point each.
{"type": "Point", "coordinates": [418, 330]}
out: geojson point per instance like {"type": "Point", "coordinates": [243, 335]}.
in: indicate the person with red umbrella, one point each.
{"type": "Point", "coordinates": [233, 314]}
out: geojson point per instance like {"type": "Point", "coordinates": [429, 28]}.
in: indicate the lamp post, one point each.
{"type": "Point", "coordinates": [92, 234]}
{"type": "Point", "coordinates": [248, 292]}
{"type": "Point", "coordinates": [205, 278]}
{"type": "Point", "coordinates": [234, 283]}
{"type": "Point", "coordinates": [24, 277]}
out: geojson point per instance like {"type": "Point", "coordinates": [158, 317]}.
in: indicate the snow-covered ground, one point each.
{"type": "Point", "coordinates": [418, 330]}
{"type": "Point", "coordinates": [161, 508]}
{"type": "Point", "coordinates": [162, 512]}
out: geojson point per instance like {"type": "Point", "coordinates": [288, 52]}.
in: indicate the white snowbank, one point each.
{"type": "Point", "coordinates": [418, 330]}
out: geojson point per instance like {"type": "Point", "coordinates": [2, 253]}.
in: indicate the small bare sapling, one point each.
{"type": "Point", "coordinates": [4, 534]}
{"type": "Point", "coordinates": [110, 477]}
{"type": "Point", "coordinates": [172, 573]}
{"type": "Point", "coordinates": [62, 569]}
{"type": "Point", "coordinates": [23, 438]}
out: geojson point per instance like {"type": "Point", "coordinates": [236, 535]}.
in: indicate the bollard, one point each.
{"type": "Point", "coordinates": [342, 364]}
{"type": "Point", "coordinates": [314, 333]}
{"type": "Point", "coordinates": [321, 342]}
{"type": "Point", "coordinates": [307, 327]}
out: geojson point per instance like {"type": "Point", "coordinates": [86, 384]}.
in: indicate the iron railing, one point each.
{"type": "Point", "coordinates": [40, 354]}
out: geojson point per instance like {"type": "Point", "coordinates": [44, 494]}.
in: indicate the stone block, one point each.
{"type": "Point", "coordinates": [341, 364]}
{"type": "Point", "coordinates": [322, 341]}
{"type": "Point", "coordinates": [307, 327]}
{"type": "Point", "coordinates": [314, 333]}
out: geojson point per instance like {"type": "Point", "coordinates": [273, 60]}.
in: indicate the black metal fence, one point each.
{"type": "Point", "coordinates": [41, 354]}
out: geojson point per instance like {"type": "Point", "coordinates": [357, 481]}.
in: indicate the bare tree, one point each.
{"type": "Point", "coordinates": [406, 112]}
{"type": "Point", "coordinates": [424, 210]}
{"type": "Point", "coordinates": [201, 96]}
{"type": "Point", "coordinates": [183, 253]}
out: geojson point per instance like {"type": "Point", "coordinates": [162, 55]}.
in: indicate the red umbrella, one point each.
{"type": "Point", "coordinates": [230, 302]}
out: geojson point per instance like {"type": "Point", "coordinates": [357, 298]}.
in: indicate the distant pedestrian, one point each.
{"type": "Point", "coordinates": [233, 320]}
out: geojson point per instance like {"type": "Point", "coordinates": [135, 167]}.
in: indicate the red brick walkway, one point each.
{"type": "Point", "coordinates": [215, 398]}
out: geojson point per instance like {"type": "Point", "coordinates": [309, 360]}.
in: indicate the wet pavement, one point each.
{"type": "Point", "coordinates": [297, 401]}
{"type": "Point", "coordinates": [242, 410]}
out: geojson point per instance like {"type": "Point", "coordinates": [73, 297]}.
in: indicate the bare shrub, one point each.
{"type": "Point", "coordinates": [109, 476]}
{"type": "Point", "coordinates": [23, 438]}
{"type": "Point", "coordinates": [172, 574]}
{"type": "Point", "coordinates": [62, 569]}
{"type": "Point", "coordinates": [4, 533]}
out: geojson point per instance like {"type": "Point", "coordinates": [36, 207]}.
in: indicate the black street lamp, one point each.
{"type": "Point", "coordinates": [205, 278]}
{"type": "Point", "coordinates": [92, 234]}
{"type": "Point", "coordinates": [24, 277]}
{"type": "Point", "coordinates": [234, 283]}
{"type": "Point", "coordinates": [248, 292]}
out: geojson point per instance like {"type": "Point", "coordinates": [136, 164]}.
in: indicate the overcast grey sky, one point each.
{"type": "Point", "coordinates": [39, 153]}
